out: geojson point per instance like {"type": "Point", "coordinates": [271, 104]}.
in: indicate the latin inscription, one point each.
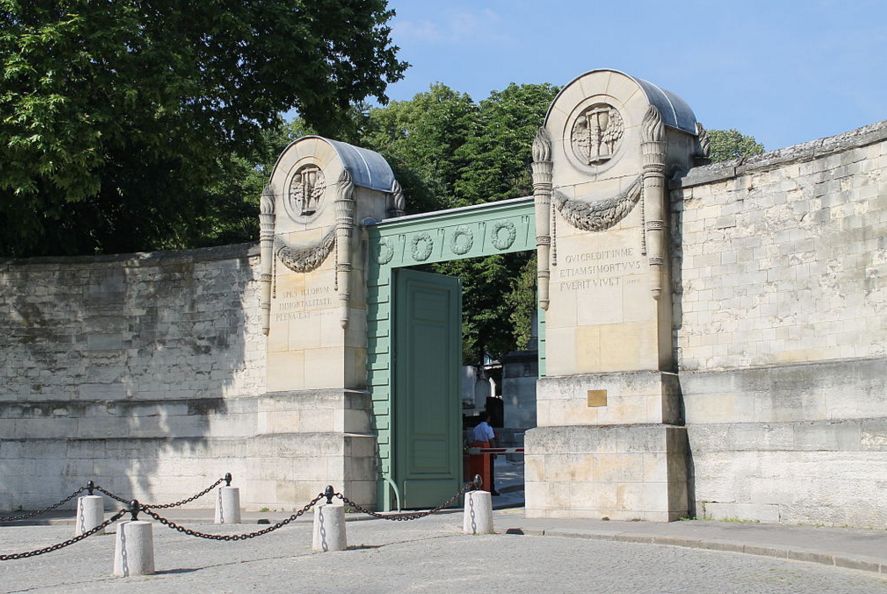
{"type": "Point", "coordinates": [598, 269]}
{"type": "Point", "coordinates": [301, 304]}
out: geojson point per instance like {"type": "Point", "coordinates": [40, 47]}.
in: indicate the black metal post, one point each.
{"type": "Point", "coordinates": [227, 479]}
{"type": "Point", "coordinates": [134, 507]}
{"type": "Point", "coordinates": [328, 493]}
{"type": "Point", "coordinates": [90, 486]}
{"type": "Point", "coordinates": [478, 482]}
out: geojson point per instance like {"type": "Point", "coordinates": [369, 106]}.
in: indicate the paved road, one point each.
{"type": "Point", "coordinates": [428, 555]}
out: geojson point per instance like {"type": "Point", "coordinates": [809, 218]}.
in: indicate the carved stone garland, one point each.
{"type": "Point", "coordinates": [306, 259]}
{"type": "Point", "coordinates": [602, 214]}
{"type": "Point", "coordinates": [653, 152]}
{"type": "Point", "coordinates": [542, 166]}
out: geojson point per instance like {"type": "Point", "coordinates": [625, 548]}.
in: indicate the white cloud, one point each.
{"type": "Point", "coordinates": [452, 27]}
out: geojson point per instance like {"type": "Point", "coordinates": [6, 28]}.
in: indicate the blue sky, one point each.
{"type": "Point", "coordinates": [784, 71]}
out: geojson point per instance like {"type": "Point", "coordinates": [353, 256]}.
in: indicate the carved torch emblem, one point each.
{"type": "Point", "coordinates": [306, 189]}
{"type": "Point", "coordinates": [596, 133]}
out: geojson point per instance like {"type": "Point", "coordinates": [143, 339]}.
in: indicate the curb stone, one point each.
{"type": "Point", "coordinates": [792, 554]}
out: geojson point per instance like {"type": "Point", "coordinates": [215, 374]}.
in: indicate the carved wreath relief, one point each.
{"type": "Point", "coordinates": [306, 188]}
{"type": "Point", "coordinates": [596, 134]}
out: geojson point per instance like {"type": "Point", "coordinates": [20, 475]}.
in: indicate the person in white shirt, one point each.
{"type": "Point", "coordinates": [482, 436]}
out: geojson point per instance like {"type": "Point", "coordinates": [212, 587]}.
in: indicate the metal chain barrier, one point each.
{"type": "Point", "coordinates": [66, 543]}
{"type": "Point", "coordinates": [226, 478]}
{"type": "Point", "coordinates": [189, 499]}
{"type": "Point", "coordinates": [405, 517]}
{"type": "Point", "coordinates": [229, 537]}
{"type": "Point", "coordinates": [39, 512]}
{"type": "Point", "coordinates": [111, 495]}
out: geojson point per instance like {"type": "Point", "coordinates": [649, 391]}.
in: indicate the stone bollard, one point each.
{"type": "Point", "coordinates": [478, 515]}
{"type": "Point", "coordinates": [329, 525]}
{"type": "Point", "coordinates": [134, 548]}
{"type": "Point", "coordinates": [228, 503]}
{"type": "Point", "coordinates": [90, 513]}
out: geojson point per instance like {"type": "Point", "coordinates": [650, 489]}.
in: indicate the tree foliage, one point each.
{"type": "Point", "coordinates": [732, 144]}
{"type": "Point", "coordinates": [449, 151]}
{"type": "Point", "coordinates": [134, 124]}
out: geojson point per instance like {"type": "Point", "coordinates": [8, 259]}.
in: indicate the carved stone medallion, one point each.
{"type": "Point", "coordinates": [596, 133]}
{"type": "Point", "coordinates": [305, 191]}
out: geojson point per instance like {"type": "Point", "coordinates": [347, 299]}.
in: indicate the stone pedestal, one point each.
{"type": "Point", "coordinates": [621, 472]}
{"type": "Point", "coordinates": [477, 517]}
{"type": "Point", "coordinates": [134, 549]}
{"type": "Point", "coordinates": [90, 513]}
{"type": "Point", "coordinates": [228, 505]}
{"type": "Point", "coordinates": [329, 528]}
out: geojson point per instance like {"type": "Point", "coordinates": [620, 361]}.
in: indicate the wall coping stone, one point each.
{"type": "Point", "coordinates": [784, 366]}
{"type": "Point", "coordinates": [207, 254]}
{"type": "Point", "coordinates": [798, 153]}
{"type": "Point", "coordinates": [605, 374]}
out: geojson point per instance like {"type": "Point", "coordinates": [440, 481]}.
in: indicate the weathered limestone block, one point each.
{"type": "Point", "coordinates": [609, 399]}
{"type": "Point", "coordinates": [807, 392]}
{"type": "Point", "coordinates": [622, 472]}
{"type": "Point", "coordinates": [804, 472]}
{"type": "Point", "coordinates": [313, 411]}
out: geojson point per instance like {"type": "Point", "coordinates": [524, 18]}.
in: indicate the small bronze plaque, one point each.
{"type": "Point", "coordinates": [597, 398]}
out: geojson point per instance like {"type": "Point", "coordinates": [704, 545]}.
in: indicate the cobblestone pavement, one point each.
{"type": "Point", "coordinates": [428, 555]}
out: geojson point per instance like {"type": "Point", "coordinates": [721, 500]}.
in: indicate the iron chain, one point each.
{"type": "Point", "coordinates": [229, 537]}
{"type": "Point", "coordinates": [188, 500]}
{"type": "Point", "coordinates": [111, 495]}
{"type": "Point", "coordinates": [405, 517]}
{"type": "Point", "coordinates": [69, 542]}
{"type": "Point", "coordinates": [39, 512]}
{"type": "Point", "coordinates": [163, 505]}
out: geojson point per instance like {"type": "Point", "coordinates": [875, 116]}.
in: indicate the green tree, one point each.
{"type": "Point", "coordinates": [130, 124]}
{"type": "Point", "coordinates": [732, 144]}
{"type": "Point", "coordinates": [449, 151]}
{"type": "Point", "coordinates": [499, 291]}
{"type": "Point", "coordinates": [421, 139]}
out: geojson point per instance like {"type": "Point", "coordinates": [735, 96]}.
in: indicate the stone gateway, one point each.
{"type": "Point", "coordinates": [713, 337]}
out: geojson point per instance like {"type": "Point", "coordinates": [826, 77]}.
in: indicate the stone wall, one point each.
{"type": "Point", "coordinates": [146, 373]}
{"type": "Point", "coordinates": [780, 280]}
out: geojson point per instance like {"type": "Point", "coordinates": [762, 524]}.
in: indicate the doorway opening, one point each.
{"type": "Point", "coordinates": [428, 365]}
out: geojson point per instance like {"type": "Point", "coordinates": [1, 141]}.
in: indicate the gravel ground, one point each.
{"type": "Point", "coordinates": [428, 555]}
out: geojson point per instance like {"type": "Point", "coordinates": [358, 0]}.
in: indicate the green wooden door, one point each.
{"type": "Point", "coordinates": [428, 417]}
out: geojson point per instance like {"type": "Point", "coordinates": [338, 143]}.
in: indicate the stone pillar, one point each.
{"type": "Point", "coordinates": [266, 241]}
{"type": "Point", "coordinates": [653, 151]}
{"type": "Point", "coordinates": [344, 223]}
{"type": "Point", "coordinates": [609, 440]}
{"type": "Point", "coordinates": [542, 197]}
{"type": "Point", "coordinates": [317, 408]}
